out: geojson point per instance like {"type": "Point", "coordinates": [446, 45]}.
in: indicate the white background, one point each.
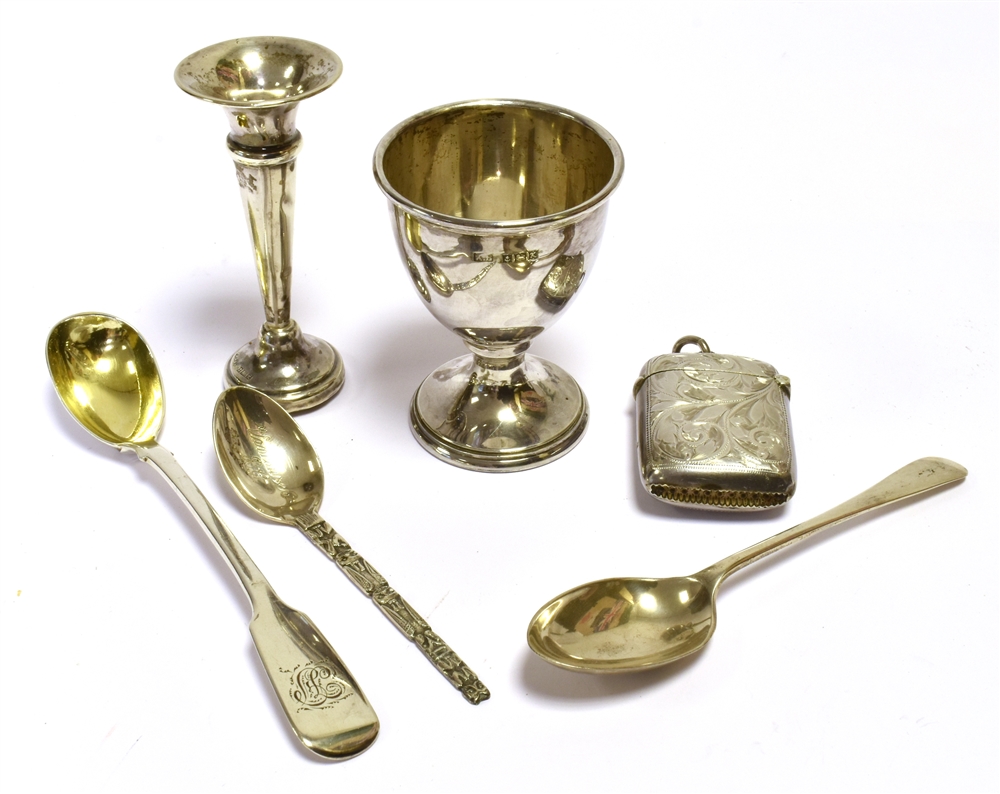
{"type": "Point", "coordinates": [810, 184]}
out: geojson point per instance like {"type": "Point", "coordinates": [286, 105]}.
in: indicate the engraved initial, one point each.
{"type": "Point", "coordinates": [316, 685]}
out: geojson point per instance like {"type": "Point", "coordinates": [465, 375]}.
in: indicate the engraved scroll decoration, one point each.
{"type": "Point", "coordinates": [715, 410]}
{"type": "Point", "coordinates": [374, 585]}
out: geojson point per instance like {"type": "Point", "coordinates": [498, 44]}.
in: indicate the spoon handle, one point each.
{"type": "Point", "coordinates": [392, 605]}
{"type": "Point", "coordinates": [323, 703]}
{"type": "Point", "coordinates": [165, 463]}
{"type": "Point", "coordinates": [914, 478]}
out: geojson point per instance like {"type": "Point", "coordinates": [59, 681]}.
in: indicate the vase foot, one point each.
{"type": "Point", "coordinates": [295, 370]}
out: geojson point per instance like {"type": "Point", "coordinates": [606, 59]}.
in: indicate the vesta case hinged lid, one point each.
{"type": "Point", "coordinates": [713, 430]}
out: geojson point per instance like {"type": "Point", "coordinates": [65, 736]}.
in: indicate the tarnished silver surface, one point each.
{"type": "Point", "coordinates": [498, 207]}
{"type": "Point", "coordinates": [713, 430]}
{"type": "Point", "coordinates": [260, 81]}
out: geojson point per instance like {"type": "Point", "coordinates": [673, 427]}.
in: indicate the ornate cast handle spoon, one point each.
{"type": "Point", "coordinates": [619, 625]}
{"type": "Point", "coordinates": [106, 376]}
{"type": "Point", "coordinates": [277, 473]}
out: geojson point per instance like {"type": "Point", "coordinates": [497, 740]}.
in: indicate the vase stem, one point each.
{"type": "Point", "coordinates": [267, 188]}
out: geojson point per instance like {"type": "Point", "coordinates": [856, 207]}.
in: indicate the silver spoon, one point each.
{"type": "Point", "coordinates": [277, 473]}
{"type": "Point", "coordinates": [619, 625]}
{"type": "Point", "coordinates": [106, 376]}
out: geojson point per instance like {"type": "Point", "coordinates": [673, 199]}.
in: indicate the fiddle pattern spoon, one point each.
{"type": "Point", "coordinates": [107, 378]}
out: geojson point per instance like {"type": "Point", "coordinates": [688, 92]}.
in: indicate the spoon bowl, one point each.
{"type": "Point", "coordinates": [106, 376]}
{"type": "Point", "coordinates": [628, 624]}
{"type": "Point", "coordinates": [266, 457]}
{"type": "Point", "coordinates": [624, 624]}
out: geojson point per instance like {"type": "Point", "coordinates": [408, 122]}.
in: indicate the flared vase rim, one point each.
{"type": "Point", "coordinates": [215, 51]}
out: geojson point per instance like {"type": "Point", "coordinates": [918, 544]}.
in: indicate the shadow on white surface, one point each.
{"type": "Point", "coordinates": [553, 683]}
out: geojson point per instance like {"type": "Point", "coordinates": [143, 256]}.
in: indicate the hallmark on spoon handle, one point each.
{"type": "Point", "coordinates": [394, 607]}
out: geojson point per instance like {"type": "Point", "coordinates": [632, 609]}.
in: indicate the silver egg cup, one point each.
{"type": "Point", "coordinates": [498, 207]}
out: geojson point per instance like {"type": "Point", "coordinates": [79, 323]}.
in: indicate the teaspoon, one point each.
{"type": "Point", "coordinates": [620, 625]}
{"type": "Point", "coordinates": [106, 376]}
{"type": "Point", "coordinates": [275, 470]}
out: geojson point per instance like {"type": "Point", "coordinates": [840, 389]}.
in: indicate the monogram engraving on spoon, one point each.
{"type": "Point", "coordinates": [317, 686]}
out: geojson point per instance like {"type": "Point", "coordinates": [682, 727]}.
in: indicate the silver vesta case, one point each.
{"type": "Point", "coordinates": [714, 431]}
